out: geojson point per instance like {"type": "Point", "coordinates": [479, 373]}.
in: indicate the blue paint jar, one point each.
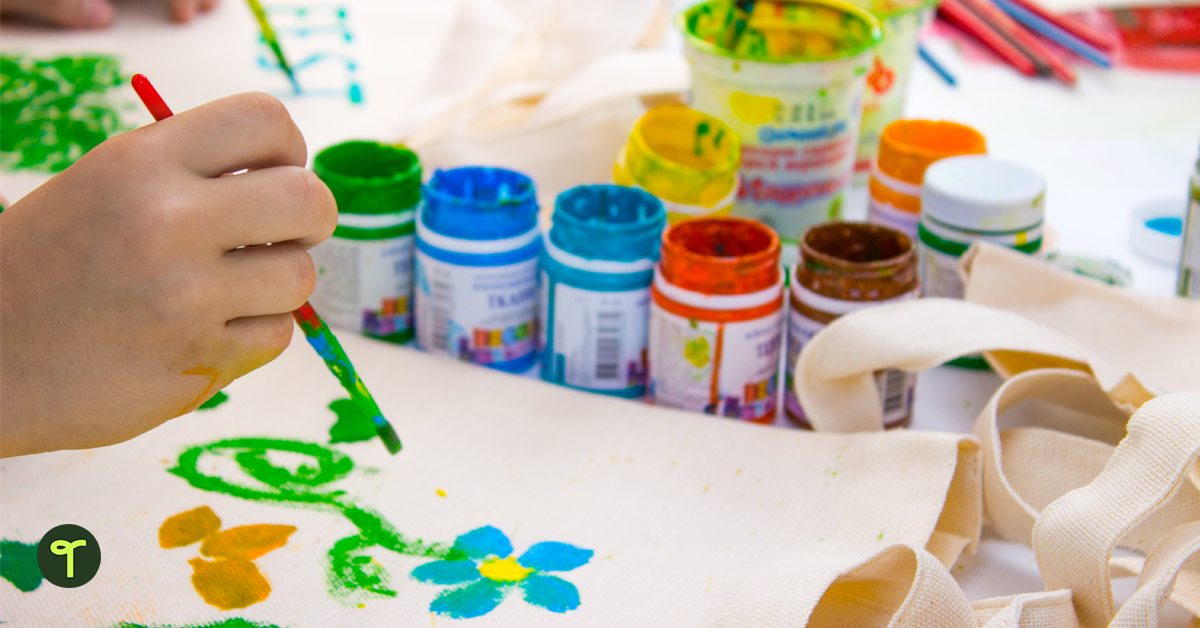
{"type": "Point", "coordinates": [476, 270]}
{"type": "Point", "coordinates": [597, 266]}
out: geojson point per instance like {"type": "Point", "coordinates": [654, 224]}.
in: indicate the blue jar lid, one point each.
{"type": "Point", "coordinates": [479, 203]}
{"type": "Point", "coordinates": [608, 222]}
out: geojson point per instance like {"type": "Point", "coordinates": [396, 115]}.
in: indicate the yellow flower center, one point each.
{"type": "Point", "coordinates": [503, 570]}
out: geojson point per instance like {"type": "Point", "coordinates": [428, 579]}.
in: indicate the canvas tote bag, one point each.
{"type": "Point", "coordinates": [513, 503]}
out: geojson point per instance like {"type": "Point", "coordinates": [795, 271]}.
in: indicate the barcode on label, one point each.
{"type": "Point", "coordinates": [609, 328]}
{"type": "Point", "coordinates": [895, 391]}
{"type": "Point", "coordinates": [441, 295]}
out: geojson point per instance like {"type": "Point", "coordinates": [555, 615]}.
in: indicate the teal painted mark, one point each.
{"type": "Point", "coordinates": [18, 565]}
{"type": "Point", "coordinates": [53, 111]}
{"type": "Point", "coordinates": [236, 622]}
{"type": "Point", "coordinates": [214, 401]}
{"type": "Point", "coordinates": [351, 569]}
{"type": "Point", "coordinates": [352, 426]}
{"type": "Point", "coordinates": [327, 68]}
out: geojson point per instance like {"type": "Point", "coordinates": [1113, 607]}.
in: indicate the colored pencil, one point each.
{"type": "Point", "coordinates": [318, 334]}
{"type": "Point", "coordinates": [269, 36]}
{"type": "Point", "coordinates": [1049, 62]}
{"type": "Point", "coordinates": [1082, 31]}
{"type": "Point", "coordinates": [955, 12]}
{"type": "Point", "coordinates": [936, 66]}
{"type": "Point", "coordinates": [739, 19]}
{"type": "Point", "coordinates": [1059, 36]}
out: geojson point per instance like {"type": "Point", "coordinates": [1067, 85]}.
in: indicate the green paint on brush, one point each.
{"type": "Point", "coordinates": [351, 568]}
{"type": "Point", "coordinates": [214, 401]}
{"type": "Point", "coordinates": [18, 564]}
{"type": "Point", "coordinates": [353, 425]}
{"type": "Point", "coordinates": [236, 622]}
{"type": "Point", "coordinates": [52, 111]}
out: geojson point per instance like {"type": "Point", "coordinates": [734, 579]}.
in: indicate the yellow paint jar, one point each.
{"type": "Point", "coordinates": [688, 159]}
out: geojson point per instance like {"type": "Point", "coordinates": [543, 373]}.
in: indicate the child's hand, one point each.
{"type": "Point", "coordinates": [127, 299]}
{"type": "Point", "coordinates": [92, 13]}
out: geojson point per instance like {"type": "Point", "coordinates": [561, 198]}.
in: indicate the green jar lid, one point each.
{"type": "Point", "coordinates": [369, 177]}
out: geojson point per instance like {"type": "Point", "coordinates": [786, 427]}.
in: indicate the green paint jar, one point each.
{"type": "Point", "coordinates": [365, 270]}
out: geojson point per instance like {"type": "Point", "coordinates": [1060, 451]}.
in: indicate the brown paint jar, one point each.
{"type": "Point", "coordinates": [845, 267]}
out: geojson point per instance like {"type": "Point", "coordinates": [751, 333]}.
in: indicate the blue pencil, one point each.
{"type": "Point", "coordinates": [1051, 31]}
{"type": "Point", "coordinates": [937, 67]}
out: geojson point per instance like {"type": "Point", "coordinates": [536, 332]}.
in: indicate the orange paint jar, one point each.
{"type": "Point", "coordinates": [906, 149]}
{"type": "Point", "coordinates": [716, 319]}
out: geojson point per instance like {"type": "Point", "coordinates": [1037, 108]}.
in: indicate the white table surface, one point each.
{"type": "Point", "coordinates": [1118, 139]}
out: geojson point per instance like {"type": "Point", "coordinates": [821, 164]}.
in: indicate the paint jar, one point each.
{"type": "Point", "coordinates": [791, 87]}
{"type": "Point", "coordinates": [906, 150]}
{"type": "Point", "coordinates": [597, 265]}
{"type": "Point", "coordinates": [688, 159]}
{"type": "Point", "coordinates": [477, 258]}
{"type": "Point", "coordinates": [364, 271]}
{"type": "Point", "coordinates": [887, 80]}
{"type": "Point", "coordinates": [716, 319]}
{"type": "Point", "coordinates": [970, 198]}
{"type": "Point", "coordinates": [845, 267]}
{"type": "Point", "coordinates": [1189, 263]}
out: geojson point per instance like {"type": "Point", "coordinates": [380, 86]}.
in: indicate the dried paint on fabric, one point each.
{"type": "Point", "coordinates": [214, 401]}
{"type": "Point", "coordinates": [236, 622]}
{"type": "Point", "coordinates": [53, 111]}
{"type": "Point", "coordinates": [353, 425]}
{"type": "Point", "coordinates": [18, 565]}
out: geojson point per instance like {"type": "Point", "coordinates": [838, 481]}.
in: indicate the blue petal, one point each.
{"type": "Point", "coordinates": [555, 556]}
{"type": "Point", "coordinates": [447, 572]}
{"type": "Point", "coordinates": [484, 542]}
{"type": "Point", "coordinates": [551, 593]}
{"type": "Point", "coordinates": [472, 600]}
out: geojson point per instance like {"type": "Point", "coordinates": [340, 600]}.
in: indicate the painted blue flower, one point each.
{"type": "Point", "coordinates": [489, 571]}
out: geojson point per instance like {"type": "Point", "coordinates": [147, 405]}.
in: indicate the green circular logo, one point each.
{"type": "Point", "coordinates": [68, 556]}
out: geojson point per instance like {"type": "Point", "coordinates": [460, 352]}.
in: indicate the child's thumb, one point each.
{"type": "Point", "coordinates": [69, 13]}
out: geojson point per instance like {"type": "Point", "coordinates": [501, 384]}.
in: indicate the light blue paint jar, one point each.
{"type": "Point", "coordinates": [477, 260]}
{"type": "Point", "coordinates": [597, 266]}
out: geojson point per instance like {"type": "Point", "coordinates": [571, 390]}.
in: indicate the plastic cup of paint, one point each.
{"type": "Point", "coordinates": [597, 264]}
{"type": "Point", "coordinates": [973, 198]}
{"type": "Point", "coordinates": [686, 158]}
{"type": "Point", "coordinates": [906, 149]}
{"type": "Point", "coordinates": [716, 319]}
{"type": "Point", "coordinates": [476, 271]}
{"type": "Point", "coordinates": [887, 80]}
{"type": "Point", "coordinates": [792, 89]}
{"type": "Point", "coordinates": [364, 271]}
{"type": "Point", "coordinates": [845, 267]}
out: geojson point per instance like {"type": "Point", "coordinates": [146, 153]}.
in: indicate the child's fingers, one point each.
{"type": "Point", "coordinates": [256, 341]}
{"type": "Point", "coordinates": [265, 280]}
{"type": "Point", "coordinates": [251, 130]}
{"type": "Point", "coordinates": [286, 204]}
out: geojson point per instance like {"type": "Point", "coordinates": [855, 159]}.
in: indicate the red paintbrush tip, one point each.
{"type": "Point", "coordinates": [150, 97]}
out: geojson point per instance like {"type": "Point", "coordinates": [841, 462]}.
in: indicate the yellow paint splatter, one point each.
{"type": "Point", "coordinates": [753, 109]}
{"type": "Point", "coordinates": [229, 583]}
{"type": "Point", "coordinates": [441, 493]}
{"type": "Point", "coordinates": [696, 352]}
{"type": "Point", "coordinates": [188, 527]}
{"type": "Point", "coordinates": [247, 542]}
{"type": "Point", "coordinates": [504, 570]}
{"type": "Point", "coordinates": [362, 605]}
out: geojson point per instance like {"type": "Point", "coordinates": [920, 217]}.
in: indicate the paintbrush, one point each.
{"type": "Point", "coordinates": [738, 21]}
{"type": "Point", "coordinates": [269, 37]}
{"type": "Point", "coordinates": [315, 330]}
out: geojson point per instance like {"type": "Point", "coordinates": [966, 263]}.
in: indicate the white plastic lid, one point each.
{"type": "Point", "coordinates": [1156, 230]}
{"type": "Point", "coordinates": [981, 193]}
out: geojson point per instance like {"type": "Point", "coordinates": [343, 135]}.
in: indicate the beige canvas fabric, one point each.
{"type": "Point", "coordinates": [679, 510]}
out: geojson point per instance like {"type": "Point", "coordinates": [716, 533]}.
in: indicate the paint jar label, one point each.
{"type": "Point", "coordinates": [597, 340]}
{"type": "Point", "coordinates": [678, 212]}
{"type": "Point", "coordinates": [724, 369]}
{"type": "Point", "coordinates": [481, 314]}
{"type": "Point", "coordinates": [884, 213]}
{"type": "Point", "coordinates": [895, 386]}
{"type": "Point", "coordinates": [798, 147]}
{"type": "Point", "coordinates": [366, 286]}
{"type": "Point", "coordinates": [939, 273]}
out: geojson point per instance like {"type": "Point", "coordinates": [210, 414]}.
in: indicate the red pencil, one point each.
{"type": "Point", "coordinates": [1082, 31]}
{"type": "Point", "coordinates": [955, 12]}
{"type": "Point", "coordinates": [1023, 39]}
{"type": "Point", "coordinates": [150, 97]}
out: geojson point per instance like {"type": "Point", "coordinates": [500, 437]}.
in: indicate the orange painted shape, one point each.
{"type": "Point", "coordinates": [247, 542]}
{"type": "Point", "coordinates": [229, 583]}
{"type": "Point", "coordinates": [213, 375]}
{"type": "Point", "coordinates": [188, 527]}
